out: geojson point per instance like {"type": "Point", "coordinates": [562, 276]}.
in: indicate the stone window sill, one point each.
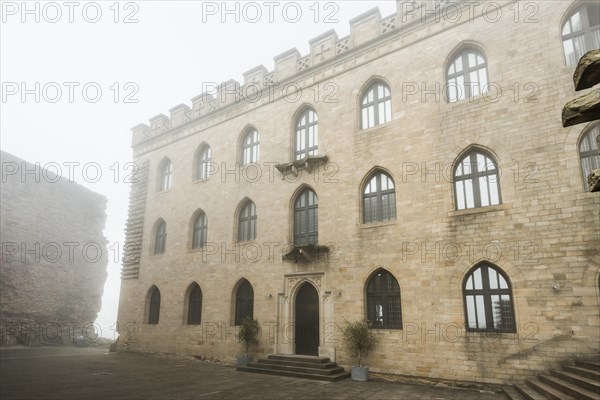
{"type": "Point", "coordinates": [478, 210]}
{"type": "Point", "coordinates": [375, 128]}
{"type": "Point", "coordinates": [379, 224]}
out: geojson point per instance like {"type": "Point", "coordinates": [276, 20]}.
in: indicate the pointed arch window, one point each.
{"type": "Point", "coordinates": [154, 306]}
{"type": "Point", "coordinates": [307, 134]}
{"type": "Point", "coordinates": [467, 75]}
{"type": "Point", "coordinates": [244, 302]}
{"type": "Point", "coordinates": [165, 175]}
{"type": "Point", "coordinates": [203, 160]}
{"type": "Point", "coordinates": [581, 33]}
{"type": "Point", "coordinates": [247, 222]}
{"type": "Point", "coordinates": [250, 147]}
{"type": "Point", "coordinates": [588, 153]}
{"type": "Point", "coordinates": [383, 301]}
{"type": "Point", "coordinates": [376, 105]}
{"type": "Point", "coordinates": [306, 218]}
{"type": "Point", "coordinates": [379, 199]}
{"type": "Point", "coordinates": [488, 300]}
{"type": "Point", "coordinates": [476, 181]}
{"type": "Point", "coordinates": [194, 314]}
{"type": "Point", "coordinates": [160, 238]}
{"type": "Point", "coordinates": [200, 231]}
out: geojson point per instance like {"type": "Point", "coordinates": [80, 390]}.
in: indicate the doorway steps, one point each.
{"type": "Point", "coordinates": [580, 381]}
{"type": "Point", "coordinates": [298, 366]}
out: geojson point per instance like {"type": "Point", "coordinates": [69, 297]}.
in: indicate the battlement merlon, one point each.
{"type": "Point", "coordinates": [179, 115]}
{"type": "Point", "coordinates": [255, 75]}
{"type": "Point", "coordinates": [158, 122]}
{"type": "Point", "coordinates": [228, 93]}
{"type": "Point", "coordinates": [200, 104]}
{"type": "Point", "coordinates": [323, 47]}
{"type": "Point", "coordinates": [286, 64]}
{"type": "Point", "coordinates": [363, 28]}
{"type": "Point", "coordinates": [140, 133]}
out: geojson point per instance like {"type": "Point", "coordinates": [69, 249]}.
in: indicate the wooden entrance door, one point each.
{"type": "Point", "coordinates": [307, 320]}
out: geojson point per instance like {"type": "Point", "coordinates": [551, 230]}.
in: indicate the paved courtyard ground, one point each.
{"type": "Point", "coordinates": [94, 373]}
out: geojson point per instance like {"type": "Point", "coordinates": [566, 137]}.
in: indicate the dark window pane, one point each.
{"type": "Point", "coordinates": [488, 300]}
{"type": "Point", "coordinates": [581, 33]}
{"type": "Point", "coordinates": [160, 241]}
{"type": "Point", "coordinates": [307, 135]}
{"type": "Point", "coordinates": [466, 76]}
{"type": "Point", "coordinates": [588, 154]}
{"type": "Point", "coordinates": [379, 199]}
{"type": "Point", "coordinates": [250, 147]}
{"type": "Point", "coordinates": [376, 106]}
{"type": "Point", "coordinates": [154, 309]}
{"type": "Point", "coordinates": [383, 301]}
{"type": "Point", "coordinates": [195, 306]}
{"type": "Point", "coordinates": [247, 222]}
{"type": "Point", "coordinates": [202, 162]}
{"type": "Point", "coordinates": [200, 231]}
{"type": "Point", "coordinates": [476, 182]}
{"type": "Point", "coordinates": [165, 175]}
{"type": "Point", "coordinates": [244, 302]}
{"type": "Point", "coordinates": [306, 225]}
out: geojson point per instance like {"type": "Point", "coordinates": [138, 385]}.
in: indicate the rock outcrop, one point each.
{"type": "Point", "coordinates": [54, 255]}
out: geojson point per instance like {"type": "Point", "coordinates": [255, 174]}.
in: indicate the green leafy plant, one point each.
{"type": "Point", "coordinates": [358, 339]}
{"type": "Point", "coordinates": [249, 332]}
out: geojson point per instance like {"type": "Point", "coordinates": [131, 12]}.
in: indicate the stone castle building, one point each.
{"type": "Point", "coordinates": [414, 174]}
{"type": "Point", "coordinates": [54, 255]}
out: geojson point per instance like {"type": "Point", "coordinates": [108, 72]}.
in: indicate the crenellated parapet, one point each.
{"type": "Point", "coordinates": [325, 48]}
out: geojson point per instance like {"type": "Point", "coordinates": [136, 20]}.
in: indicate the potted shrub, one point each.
{"type": "Point", "coordinates": [248, 334]}
{"type": "Point", "coordinates": [359, 340]}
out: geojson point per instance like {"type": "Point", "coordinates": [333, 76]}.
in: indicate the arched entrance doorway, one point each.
{"type": "Point", "coordinates": [307, 320]}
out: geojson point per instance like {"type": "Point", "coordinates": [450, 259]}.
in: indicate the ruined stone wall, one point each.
{"type": "Point", "coordinates": [54, 254]}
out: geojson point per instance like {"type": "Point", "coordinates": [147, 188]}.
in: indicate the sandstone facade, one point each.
{"type": "Point", "coordinates": [540, 235]}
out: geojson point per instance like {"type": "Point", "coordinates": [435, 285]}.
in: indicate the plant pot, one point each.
{"type": "Point", "coordinates": [242, 361]}
{"type": "Point", "coordinates": [360, 374]}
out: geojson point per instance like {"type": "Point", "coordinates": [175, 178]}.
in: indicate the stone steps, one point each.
{"type": "Point", "coordinates": [519, 392]}
{"type": "Point", "coordinates": [547, 390]}
{"type": "Point", "coordinates": [584, 372]}
{"type": "Point", "coordinates": [302, 364]}
{"type": "Point", "coordinates": [574, 382]}
{"type": "Point", "coordinates": [574, 378]}
{"type": "Point", "coordinates": [307, 367]}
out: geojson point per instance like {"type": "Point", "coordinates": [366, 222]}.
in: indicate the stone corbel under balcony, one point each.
{"type": "Point", "coordinates": [585, 108]}
{"type": "Point", "coordinates": [306, 254]}
{"type": "Point", "coordinates": [587, 73]}
{"type": "Point", "coordinates": [295, 167]}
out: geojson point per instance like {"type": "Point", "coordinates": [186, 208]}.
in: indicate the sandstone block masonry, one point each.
{"type": "Point", "coordinates": [54, 255]}
{"type": "Point", "coordinates": [538, 227]}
